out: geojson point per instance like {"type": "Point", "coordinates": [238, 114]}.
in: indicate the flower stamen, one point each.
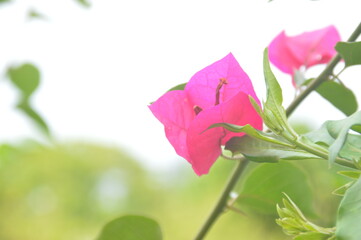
{"type": "Point", "coordinates": [222, 81]}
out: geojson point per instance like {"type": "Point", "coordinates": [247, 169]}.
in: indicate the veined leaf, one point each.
{"type": "Point", "coordinates": [131, 228]}
{"type": "Point", "coordinates": [350, 52]}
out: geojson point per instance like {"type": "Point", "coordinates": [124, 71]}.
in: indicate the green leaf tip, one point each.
{"type": "Point", "coordinates": [339, 96]}
{"type": "Point", "coordinates": [350, 52]}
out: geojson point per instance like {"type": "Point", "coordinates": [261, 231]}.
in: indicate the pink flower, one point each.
{"type": "Point", "coordinates": [218, 93]}
{"type": "Point", "coordinates": [307, 49]}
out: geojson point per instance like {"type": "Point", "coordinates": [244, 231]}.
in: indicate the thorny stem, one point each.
{"type": "Point", "coordinates": [242, 164]}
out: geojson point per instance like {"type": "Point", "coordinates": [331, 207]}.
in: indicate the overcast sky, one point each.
{"type": "Point", "coordinates": [102, 66]}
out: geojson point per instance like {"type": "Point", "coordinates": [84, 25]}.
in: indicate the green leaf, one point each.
{"type": "Point", "coordinates": [30, 112]}
{"type": "Point", "coordinates": [84, 3]}
{"type": "Point", "coordinates": [274, 114]}
{"type": "Point", "coordinates": [340, 129]}
{"type": "Point", "coordinates": [274, 92]}
{"type": "Point", "coordinates": [178, 87]}
{"type": "Point", "coordinates": [335, 135]}
{"type": "Point", "coordinates": [349, 214]}
{"type": "Point", "coordinates": [342, 190]}
{"type": "Point", "coordinates": [25, 77]}
{"type": "Point", "coordinates": [262, 151]}
{"type": "Point", "coordinates": [131, 228]}
{"type": "Point", "coordinates": [350, 52]}
{"type": "Point", "coordinates": [255, 105]}
{"type": "Point", "coordinates": [264, 185]}
{"type": "Point", "coordinates": [351, 174]}
{"type": "Point", "coordinates": [339, 96]}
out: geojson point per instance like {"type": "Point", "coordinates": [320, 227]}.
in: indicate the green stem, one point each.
{"type": "Point", "coordinates": [322, 154]}
{"type": "Point", "coordinates": [222, 202]}
{"type": "Point", "coordinates": [322, 77]}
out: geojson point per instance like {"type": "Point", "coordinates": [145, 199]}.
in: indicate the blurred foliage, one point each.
{"type": "Point", "coordinates": [131, 228]}
{"type": "Point", "coordinates": [26, 78]}
{"type": "Point", "coordinates": [69, 191]}
{"type": "Point", "coordinates": [84, 3]}
{"type": "Point", "coordinates": [4, 1]}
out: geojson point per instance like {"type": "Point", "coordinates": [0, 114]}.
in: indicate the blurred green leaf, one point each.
{"type": "Point", "coordinates": [339, 96]}
{"type": "Point", "coordinates": [312, 236]}
{"type": "Point", "coordinates": [350, 52]}
{"type": "Point", "coordinates": [34, 14]}
{"type": "Point", "coordinates": [262, 151]}
{"type": "Point", "coordinates": [131, 228]}
{"type": "Point", "coordinates": [351, 174]}
{"type": "Point", "coordinates": [84, 3]}
{"type": "Point", "coordinates": [342, 190]}
{"type": "Point", "coordinates": [349, 214]}
{"type": "Point", "coordinates": [30, 112]}
{"type": "Point", "coordinates": [4, 1]}
{"type": "Point", "coordinates": [25, 77]}
{"type": "Point", "coordinates": [264, 186]}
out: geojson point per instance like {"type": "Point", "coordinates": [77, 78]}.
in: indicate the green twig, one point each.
{"type": "Point", "coordinates": [222, 202]}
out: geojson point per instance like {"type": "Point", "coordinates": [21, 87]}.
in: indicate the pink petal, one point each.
{"type": "Point", "coordinates": [201, 88]}
{"type": "Point", "coordinates": [205, 147]}
{"type": "Point", "coordinates": [306, 49]}
{"type": "Point", "coordinates": [281, 56]}
{"type": "Point", "coordinates": [315, 47]}
{"type": "Point", "coordinates": [175, 112]}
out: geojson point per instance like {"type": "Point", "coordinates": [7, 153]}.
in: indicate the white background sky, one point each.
{"type": "Point", "coordinates": [101, 66]}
